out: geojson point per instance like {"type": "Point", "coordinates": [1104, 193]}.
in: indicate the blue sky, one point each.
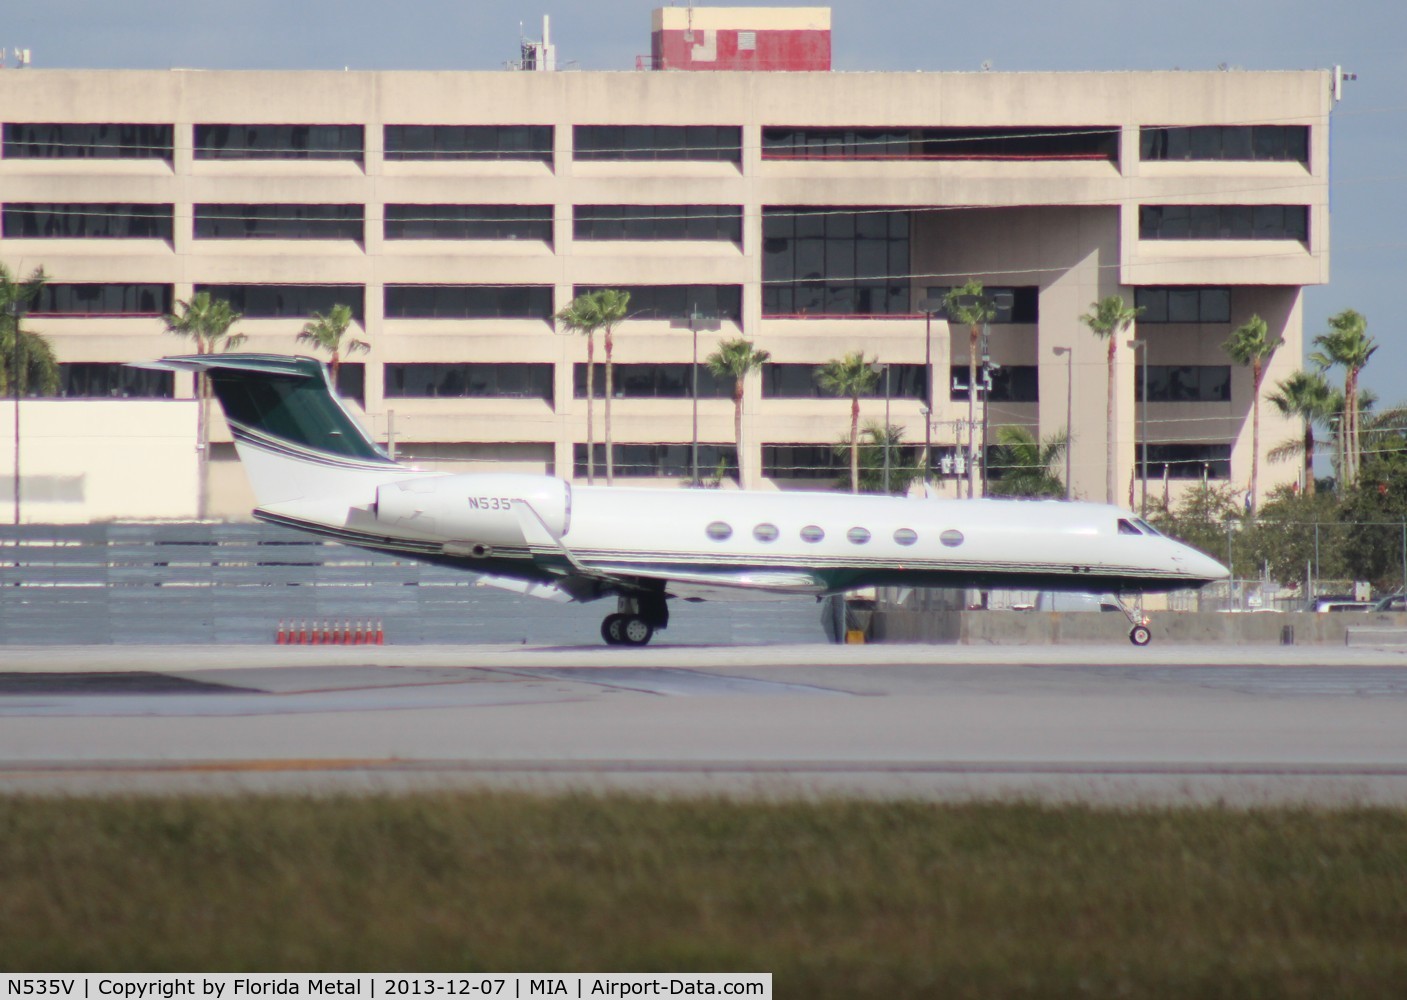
{"type": "Point", "coordinates": [1367, 37]}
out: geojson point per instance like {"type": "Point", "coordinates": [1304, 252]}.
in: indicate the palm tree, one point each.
{"type": "Point", "coordinates": [1252, 344]}
{"type": "Point", "coordinates": [967, 304]}
{"type": "Point", "coordinates": [207, 321]}
{"type": "Point", "coordinates": [1307, 396]}
{"type": "Point", "coordinates": [875, 440]}
{"type": "Point", "coordinates": [1026, 465]}
{"type": "Point", "coordinates": [27, 361]}
{"type": "Point", "coordinates": [1110, 317]}
{"type": "Point", "coordinates": [327, 333]}
{"type": "Point", "coordinates": [735, 359]}
{"type": "Point", "coordinates": [587, 313]}
{"type": "Point", "coordinates": [849, 376]}
{"type": "Point", "coordinates": [1348, 346]}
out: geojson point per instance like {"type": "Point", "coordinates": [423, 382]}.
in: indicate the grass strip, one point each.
{"type": "Point", "coordinates": [837, 899]}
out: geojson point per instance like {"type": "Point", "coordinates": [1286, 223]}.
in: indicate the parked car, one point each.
{"type": "Point", "coordinates": [1392, 602]}
{"type": "Point", "coordinates": [1322, 602]}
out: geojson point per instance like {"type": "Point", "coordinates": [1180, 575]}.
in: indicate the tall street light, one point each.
{"type": "Point", "coordinates": [1142, 345]}
{"type": "Point", "coordinates": [997, 301]}
{"type": "Point", "coordinates": [1069, 354]}
{"type": "Point", "coordinates": [930, 307]}
{"type": "Point", "coordinates": [696, 321]}
{"type": "Point", "coordinates": [14, 311]}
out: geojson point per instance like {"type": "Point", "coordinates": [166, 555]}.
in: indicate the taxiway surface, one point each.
{"type": "Point", "coordinates": [1096, 723]}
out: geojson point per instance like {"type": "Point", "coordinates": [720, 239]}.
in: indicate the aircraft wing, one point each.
{"type": "Point", "coordinates": [718, 585]}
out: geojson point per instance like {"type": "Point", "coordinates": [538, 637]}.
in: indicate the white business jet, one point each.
{"type": "Point", "coordinates": [314, 468]}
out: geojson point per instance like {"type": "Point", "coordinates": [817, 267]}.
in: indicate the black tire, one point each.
{"type": "Point", "coordinates": [611, 630]}
{"type": "Point", "coordinates": [1140, 636]}
{"type": "Point", "coordinates": [635, 631]}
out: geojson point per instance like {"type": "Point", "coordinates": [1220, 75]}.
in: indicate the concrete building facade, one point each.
{"type": "Point", "coordinates": [813, 213]}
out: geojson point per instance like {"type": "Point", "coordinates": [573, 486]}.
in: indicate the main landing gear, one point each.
{"type": "Point", "coordinates": [1139, 634]}
{"type": "Point", "coordinates": [636, 620]}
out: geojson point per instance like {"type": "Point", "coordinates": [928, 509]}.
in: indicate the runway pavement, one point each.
{"type": "Point", "coordinates": [1103, 724]}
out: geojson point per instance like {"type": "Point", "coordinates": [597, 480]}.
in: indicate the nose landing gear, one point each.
{"type": "Point", "coordinates": [1139, 633]}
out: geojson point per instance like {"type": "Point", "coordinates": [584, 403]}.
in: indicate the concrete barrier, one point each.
{"type": "Point", "coordinates": [1029, 628]}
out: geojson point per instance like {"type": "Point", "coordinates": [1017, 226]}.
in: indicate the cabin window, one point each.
{"type": "Point", "coordinates": [765, 532]}
{"type": "Point", "coordinates": [1126, 528]}
{"type": "Point", "coordinates": [952, 538]}
{"type": "Point", "coordinates": [858, 536]}
{"type": "Point", "coordinates": [906, 536]}
{"type": "Point", "coordinates": [812, 533]}
{"type": "Point", "coordinates": [719, 531]}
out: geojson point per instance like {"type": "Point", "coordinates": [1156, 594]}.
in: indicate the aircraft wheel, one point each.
{"type": "Point", "coordinates": [1139, 635]}
{"type": "Point", "coordinates": [611, 630]}
{"type": "Point", "coordinates": [635, 631]}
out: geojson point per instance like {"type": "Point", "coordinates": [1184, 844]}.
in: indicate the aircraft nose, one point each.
{"type": "Point", "coordinates": [1199, 565]}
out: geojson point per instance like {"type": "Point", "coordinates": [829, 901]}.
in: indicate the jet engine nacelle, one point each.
{"type": "Point", "coordinates": [475, 511]}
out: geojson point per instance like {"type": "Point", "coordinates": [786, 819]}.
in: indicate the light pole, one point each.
{"type": "Point", "coordinates": [1069, 354]}
{"type": "Point", "coordinates": [1142, 345]}
{"type": "Point", "coordinates": [696, 321]}
{"type": "Point", "coordinates": [929, 307]}
{"type": "Point", "coordinates": [14, 311]}
{"type": "Point", "coordinates": [992, 304]}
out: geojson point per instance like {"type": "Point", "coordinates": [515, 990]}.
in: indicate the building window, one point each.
{"type": "Point", "coordinates": [658, 142]}
{"type": "Point", "coordinates": [660, 381]}
{"type": "Point", "coordinates": [834, 262]}
{"type": "Point", "coordinates": [674, 302]}
{"type": "Point", "coordinates": [1010, 384]}
{"type": "Point", "coordinates": [280, 222]}
{"type": "Point", "coordinates": [469, 222]}
{"type": "Point", "coordinates": [788, 381]}
{"type": "Point", "coordinates": [279, 142]}
{"type": "Point", "coordinates": [288, 301]}
{"type": "Point", "coordinates": [113, 380]}
{"type": "Point", "coordinates": [826, 461]}
{"type": "Point", "coordinates": [469, 381]}
{"type": "Point", "coordinates": [1223, 222]}
{"type": "Point", "coordinates": [1024, 308]}
{"type": "Point", "coordinates": [1183, 305]}
{"type": "Point", "coordinates": [469, 142]}
{"type": "Point", "coordinates": [1185, 461]}
{"type": "Point", "coordinates": [658, 222]}
{"type": "Point", "coordinates": [1087, 142]}
{"type": "Point", "coordinates": [658, 461]}
{"type": "Point", "coordinates": [1184, 384]}
{"type": "Point", "coordinates": [1225, 142]}
{"type": "Point", "coordinates": [469, 302]}
{"type": "Point", "coordinates": [86, 141]}
{"type": "Point", "coordinates": [57, 299]}
{"type": "Point", "coordinates": [86, 220]}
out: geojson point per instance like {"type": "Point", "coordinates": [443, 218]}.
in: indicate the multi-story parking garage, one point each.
{"type": "Point", "coordinates": [814, 213]}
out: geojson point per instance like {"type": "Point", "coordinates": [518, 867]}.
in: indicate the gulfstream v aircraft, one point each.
{"type": "Point", "coordinates": [314, 468]}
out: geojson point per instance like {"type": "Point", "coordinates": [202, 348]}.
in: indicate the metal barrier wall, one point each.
{"type": "Point", "coordinates": [233, 583]}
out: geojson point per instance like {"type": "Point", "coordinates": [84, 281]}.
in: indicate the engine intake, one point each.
{"type": "Point", "coordinates": [474, 511]}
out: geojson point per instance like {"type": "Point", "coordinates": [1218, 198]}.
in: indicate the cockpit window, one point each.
{"type": "Point", "coordinates": [1126, 527]}
{"type": "Point", "coordinates": [1146, 528]}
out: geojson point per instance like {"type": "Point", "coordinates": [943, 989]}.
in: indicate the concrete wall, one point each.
{"type": "Point", "coordinates": [1028, 628]}
{"type": "Point", "coordinates": [99, 460]}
